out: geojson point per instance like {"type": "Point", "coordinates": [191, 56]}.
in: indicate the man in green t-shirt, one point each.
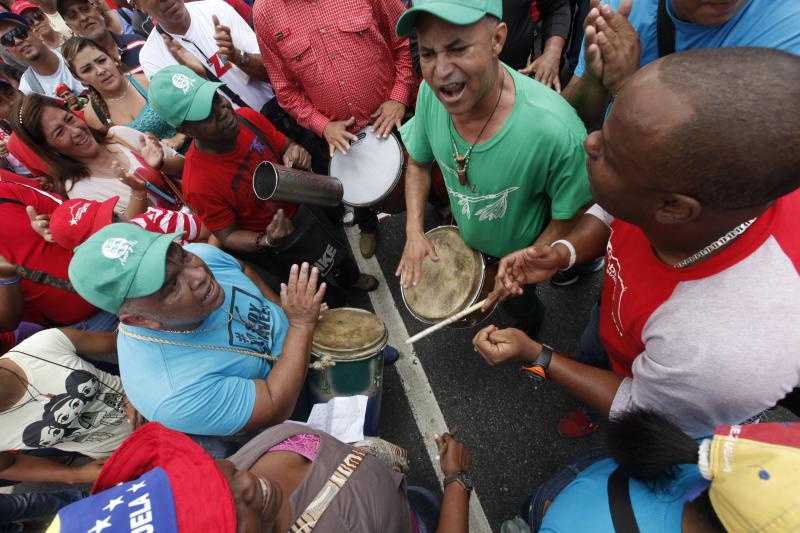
{"type": "Point", "coordinates": [510, 149]}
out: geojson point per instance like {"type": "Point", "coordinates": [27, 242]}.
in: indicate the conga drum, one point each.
{"type": "Point", "coordinates": [373, 171]}
{"type": "Point", "coordinates": [352, 339]}
{"type": "Point", "coordinates": [461, 277]}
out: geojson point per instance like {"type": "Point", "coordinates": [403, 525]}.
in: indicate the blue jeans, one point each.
{"type": "Point", "coordinates": [101, 321]}
{"type": "Point", "coordinates": [32, 505]}
{"type": "Point", "coordinates": [534, 507]}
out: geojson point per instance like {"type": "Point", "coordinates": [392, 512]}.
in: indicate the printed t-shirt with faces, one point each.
{"type": "Point", "coordinates": [69, 404]}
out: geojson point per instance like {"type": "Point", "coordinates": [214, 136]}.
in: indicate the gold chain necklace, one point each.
{"type": "Point", "coordinates": [462, 161]}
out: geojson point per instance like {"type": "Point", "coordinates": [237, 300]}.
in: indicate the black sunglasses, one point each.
{"type": "Point", "coordinates": [8, 38]}
{"type": "Point", "coordinates": [34, 17]}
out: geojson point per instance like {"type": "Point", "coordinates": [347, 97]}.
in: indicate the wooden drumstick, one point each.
{"type": "Point", "coordinates": [446, 322]}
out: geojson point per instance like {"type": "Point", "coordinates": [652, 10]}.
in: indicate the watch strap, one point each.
{"type": "Point", "coordinates": [538, 368]}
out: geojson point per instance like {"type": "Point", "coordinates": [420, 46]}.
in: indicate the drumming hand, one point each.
{"type": "Point", "coordinates": [410, 268]}
{"type": "Point", "coordinates": [279, 227]}
{"type": "Point", "coordinates": [508, 345]}
{"type": "Point", "coordinates": [337, 136]}
{"type": "Point", "coordinates": [388, 116]}
{"type": "Point", "coordinates": [301, 300]}
{"type": "Point", "coordinates": [296, 156]}
{"type": "Point", "coordinates": [529, 265]}
{"type": "Point", "coordinates": [453, 455]}
{"type": "Point", "coordinates": [40, 223]}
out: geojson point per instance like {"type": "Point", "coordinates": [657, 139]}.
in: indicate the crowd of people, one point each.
{"type": "Point", "coordinates": [157, 317]}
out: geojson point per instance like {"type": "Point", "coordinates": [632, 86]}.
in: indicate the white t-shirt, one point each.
{"type": "Point", "coordinates": [199, 40]}
{"type": "Point", "coordinates": [49, 83]}
{"type": "Point", "coordinates": [69, 404]}
{"type": "Point", "coordinates": [101, 188]}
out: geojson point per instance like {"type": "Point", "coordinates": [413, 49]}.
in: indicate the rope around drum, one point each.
{"type": "Point", "coordinates": [324, 362]}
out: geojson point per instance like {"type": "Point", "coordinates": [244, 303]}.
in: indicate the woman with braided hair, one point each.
{"type": "Point", "coordinates": [116, 98]}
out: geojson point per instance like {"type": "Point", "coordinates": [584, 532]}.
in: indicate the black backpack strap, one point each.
{"type": "Point", "coordinates": [619, 501]}
{"type": "Point", "coordinates": [235, 98]}
{"type": "Point", "coordinates": [260, 136]}
{"type": "Point", "coordinates": [665, 28]}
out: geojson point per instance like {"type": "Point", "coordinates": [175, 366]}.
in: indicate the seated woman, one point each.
{"type": "Point", "coordinates": [116, 98]}
{"type": "Point", "coordinates": [661, 480]}
{"type": "Point", "coordinates": [288, 475]}
{"type": "Point", "coordinates": [86, 165]}
{"type": "Point", "coordinates": [50, 397]}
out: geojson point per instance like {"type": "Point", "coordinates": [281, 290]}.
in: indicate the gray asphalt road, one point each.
{"type": "Point", "coordinates": [507, 421]}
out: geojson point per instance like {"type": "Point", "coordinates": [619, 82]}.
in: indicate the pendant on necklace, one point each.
{"type": "Point", "coordinates": [461, 168]}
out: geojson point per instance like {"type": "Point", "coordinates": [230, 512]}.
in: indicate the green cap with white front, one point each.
{"type": "Point", "coordinates": [458, 12]}
{"type": "Point", "coordinates": [118, 262]}
{"type": "Point", "coordinates": [178, 94]}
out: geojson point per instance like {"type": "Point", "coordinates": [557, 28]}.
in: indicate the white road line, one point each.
{"type": "Point", "coordinates": [424, 406]}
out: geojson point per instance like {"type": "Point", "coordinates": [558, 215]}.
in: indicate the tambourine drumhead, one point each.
{"type": "Point", "coordinates": [370, 170]}
{"type": "Point", "coordinates": [450, 284]}
{"type": "Point", "coordinates": [348, 333]}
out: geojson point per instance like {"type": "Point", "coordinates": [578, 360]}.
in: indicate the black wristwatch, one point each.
{"type": "Point", "coordinates": [537, 369]}
{"type": "Point", "coordinates": [463, 478]}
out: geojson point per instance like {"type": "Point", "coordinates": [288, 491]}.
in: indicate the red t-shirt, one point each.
{"type": "Point", "coordinates": [219, 187]}
{"type": "Point", "coordinates": [20, 245]}
{"type": "Point", "coordinates": [644, 304]}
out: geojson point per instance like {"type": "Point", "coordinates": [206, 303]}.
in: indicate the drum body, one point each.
{"type": "Point", "coordinates": [354, 339]}
{"type": "Point", "coordinates": [373, 173]}
{"type": "Point", "coordinates": [460, 278]}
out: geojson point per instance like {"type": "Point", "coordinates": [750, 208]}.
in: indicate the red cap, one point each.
{"type": "Point", "coordinates": [61, 89]}
{"type": "Point", "coordinates": [76, 220]}
{"type": "Point", "coordinates": [203, 499]}
{"type": "Point", "coordinates": [22, 5]}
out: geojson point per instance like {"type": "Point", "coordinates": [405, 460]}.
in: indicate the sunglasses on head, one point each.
{"type": "Point", "coordinates": [8, 38]}
{"type": "Point", "coordinates": [33, 16]}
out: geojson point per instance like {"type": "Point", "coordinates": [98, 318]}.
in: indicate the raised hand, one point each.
{"type": "Point", "coordinates": [40, 223]}
{"type": "Point", "coordinates": [417, 247]}
{"type": "Point", "coordinates": [387, 117]}
{"type": "Point", "coordinates": [337, 136]}
{"type": "Point", "coordinates": [151, 150]}
{"type": "Point", "coordinates": [301, 300]}
{"type": "Point", "coordinates": [613, 48]}
{"type": "Point", "coordinates": [222, 35]}
{"type": "Point", "coordinates": [183, 56]}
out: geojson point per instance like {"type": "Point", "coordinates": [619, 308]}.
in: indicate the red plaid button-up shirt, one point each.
{"type": "Point", "coordinates": [333, 59]}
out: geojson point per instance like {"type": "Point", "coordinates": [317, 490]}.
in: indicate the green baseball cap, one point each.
{"type": "Point", "coordinates": [177, 94]}
{"type": "Point", "coordinates": [118, 262]}
{"type": "Point", "coordinates": [458, 12]}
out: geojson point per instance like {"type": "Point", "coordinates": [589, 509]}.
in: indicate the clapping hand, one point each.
{"type": "Point", "coordinates": [613, 48]}
{"type": "Point", "coordinates": [301, 300]}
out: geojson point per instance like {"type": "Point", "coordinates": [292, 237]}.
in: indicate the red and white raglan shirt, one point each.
{"type": "Point", "coordinates": [711, 344]}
